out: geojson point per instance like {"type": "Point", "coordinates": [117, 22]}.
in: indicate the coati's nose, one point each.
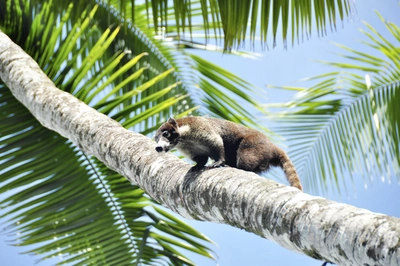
{"type": "Point", "coordinates": [159, 149]}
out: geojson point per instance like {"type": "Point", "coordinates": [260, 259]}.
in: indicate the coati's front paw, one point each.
{"type": "Point", "coordinates": [216, 164]}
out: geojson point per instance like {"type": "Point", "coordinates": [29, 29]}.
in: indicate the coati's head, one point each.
{"type": "Point", "coordinates": [167, 136]}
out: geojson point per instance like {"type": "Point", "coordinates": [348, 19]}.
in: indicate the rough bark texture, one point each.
{"type": "Point", "coordinates": [314, 226]}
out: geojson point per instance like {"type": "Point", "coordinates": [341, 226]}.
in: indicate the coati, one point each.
{"type": "Point", "coordinates": [225, 142]}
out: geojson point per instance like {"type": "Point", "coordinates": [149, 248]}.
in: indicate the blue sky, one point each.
{"type": "Point", "coordinates": [284, 67]}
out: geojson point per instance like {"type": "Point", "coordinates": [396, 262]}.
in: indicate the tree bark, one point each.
{"type": "Point", "coordinates": [313, 226]}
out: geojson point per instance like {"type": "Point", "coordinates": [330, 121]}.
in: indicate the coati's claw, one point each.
{"type": "Point", "coordinates": [216, 165]}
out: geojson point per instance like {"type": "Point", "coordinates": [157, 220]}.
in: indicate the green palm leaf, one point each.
{"type": "Point", "coordinates": [348, 122]}
{"type": "Point", "coordinates": [158, 28]}
{"type": "Point", "coordinates": [182, 19]}
{"type": "Point", "coordinates": [65, 202]}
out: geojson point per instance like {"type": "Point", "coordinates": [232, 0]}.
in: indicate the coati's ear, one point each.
{"type": "Point", "coordinates": [172, 121]}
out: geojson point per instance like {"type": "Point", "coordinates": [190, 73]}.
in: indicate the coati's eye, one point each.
{"type": "Point", "coordinates": [166, 134]}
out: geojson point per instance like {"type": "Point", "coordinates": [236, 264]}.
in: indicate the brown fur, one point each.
{"type": "Point", "coordinates": [200, 138]}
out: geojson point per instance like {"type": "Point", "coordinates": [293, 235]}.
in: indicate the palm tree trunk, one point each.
{"type": "Point", "coordinates": [313, 226]}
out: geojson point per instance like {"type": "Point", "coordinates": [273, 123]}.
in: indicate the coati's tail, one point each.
{"type": "Point", "coordinates": [290, 171]}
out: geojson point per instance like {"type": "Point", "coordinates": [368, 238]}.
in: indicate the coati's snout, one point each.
{"type": "Point", "coordinates": [159, 149]}
{"type": "Point", "coordinates": [163, 144]}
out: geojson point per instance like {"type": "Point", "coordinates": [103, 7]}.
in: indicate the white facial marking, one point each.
{"type": "Point", "coordinates": [183, 129]}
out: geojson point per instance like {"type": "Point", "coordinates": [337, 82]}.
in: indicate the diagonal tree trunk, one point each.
{"type": "Point", "coordinates": [313, 226]}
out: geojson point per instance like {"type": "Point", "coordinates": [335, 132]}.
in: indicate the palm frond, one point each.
{"type": "Point", "coordinates": [347, 122]}
{"type": "Point", "coordinates": [295, 18]}
{"type": "Point", "coordinates": [164, 54]}
{"type": "Point", "coordinates": [64, 201]}
{"type": "Point", "coordinates": [211, 91]}
{"type": "Point", "coordinates": [159, 27]}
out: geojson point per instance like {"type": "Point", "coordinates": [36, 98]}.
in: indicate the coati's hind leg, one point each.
{"type": "Point", "coordinates": [250, 155]}
{"type": "Point", "coordinates": [258, 154]}
{"type": "Point", "coordinates": [246, 161]}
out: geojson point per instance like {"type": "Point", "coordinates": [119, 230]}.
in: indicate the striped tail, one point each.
{"type": "Point", "coordinates": [290, 171]}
